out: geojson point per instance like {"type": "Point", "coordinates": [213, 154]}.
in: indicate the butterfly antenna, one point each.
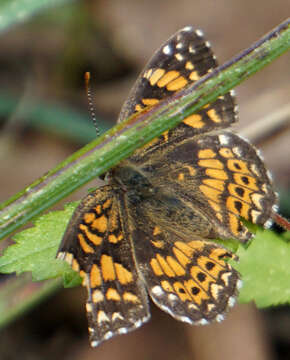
{"type": "Point", "coordinates": [90, 102]}
{"type": "Point", "coordinates": [280, 220]}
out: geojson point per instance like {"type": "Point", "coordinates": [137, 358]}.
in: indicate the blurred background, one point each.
{"type": "Point", "coordinates": [44, 118]}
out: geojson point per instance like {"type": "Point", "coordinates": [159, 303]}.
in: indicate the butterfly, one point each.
{"type": "Point", "coordinates": [147, 233]}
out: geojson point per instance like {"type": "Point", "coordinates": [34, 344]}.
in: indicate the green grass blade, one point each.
{"type": "Point", "coordinates": [13, 12]}
{"type": "Point", "coordinates": [74, 125]}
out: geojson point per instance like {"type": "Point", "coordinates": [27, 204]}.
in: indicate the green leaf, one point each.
{"type": "Point", "coordinates": [265, 270]}
{"type": "Point", "coordinates": [36, 248]}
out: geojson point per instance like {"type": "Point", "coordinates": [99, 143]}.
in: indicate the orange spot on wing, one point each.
{"type": "Point", "coordinates": [95, 276]}
{"type": "Point", "coordinates": [84, 245]}
{"type": "Point", "coordinates": [124, 276]}
{"type": "Point", "coordinates": [95, 239]}
{"type": "Point", "coordinates": [107, 266]}
{"type": "Point", "coordinates": [214, 183]}
{"type": "Point", "coordinates": [180, 177]}
{"type": "Point", "coordinates": [107, 204]}
{"type": "Point", "coordinates": [150, 102]}
{"type": "Point", "coordinates": [177, 268]}
{"type": "Point", "coordinates": [187, 250]}
{"type": "Point", "coordinates": [75, 265]}
{"type": "Point", "coordinates": [169, 76]}
{"type": "Point", "coordinates": [89, 217]}
{"type": "Point", "coordinates": [235, 224]}
{"type": "Point", "coordinates": [112, 294]}
{"type": "Point", "coordinates": [217, 174]}
{"type": "Point", "coordinates": [189, 65]}
{"type": "Point", "coordinates": [130, 297]}
{"type": "Point", "coordinates": [194, 121]}
{"type": "Point", "coordinates": [183, 259]}
{"type": "Point", "coordinates": [157, 74]}
{"type": "Point", "coordinates": [177, 84]}
{"type": "Point", "coordinates": [114, 239]}
{"type": "Point", "coordinates": [211, 163]}
{"type": "Point", "coordinates": [214, 116]}
{"type": "Point", "coordinates": [138, 108]}
{"type": "Point", "coordinates": [193, 76]}
{"type": "Point", "coordinates": [206, 154]}
{"type": "Point", "coordinates": [210, 193]}
{"type": "Point", "coordinates": [166, 286]}
{"type": "Point", "coordinates": [100, 224]}
{"type": "Point", "coordinates": [156, 267]}
{"type": "Point", "coordinates": [98, 209]}
{"type": "Point", "coordinates": [196, 245]}
{"type": "Point", "coordinates": [164, 265]}
{"type": "Point", "coordinates": [159, 244]}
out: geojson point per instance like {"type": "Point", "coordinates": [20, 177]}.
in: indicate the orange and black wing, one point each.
{"type": "Point", "coordinates": [189, 279]}
{"type": "Point", "coordinates": [181, 60]}
{"type": "Point", "coordinates": [221, 176]}
{"type": "Point", "coordinates": [96, 245]}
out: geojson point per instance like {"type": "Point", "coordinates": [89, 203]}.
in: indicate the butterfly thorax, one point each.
{"type": "Point", "coordinates": [133, 182]}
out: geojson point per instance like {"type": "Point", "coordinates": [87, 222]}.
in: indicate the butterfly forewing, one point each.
{"type": "Point", "coordinates": [180, 61]}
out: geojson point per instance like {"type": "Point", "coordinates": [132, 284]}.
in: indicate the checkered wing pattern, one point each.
{"type": "Point", "coordinates": [219, 174]}
{"type": "Point", "coordinates": [180, 61]}
{"type": "Point", "coordinates": [96, 245]}
{"type": "Point", "coordinates": [188, 278]}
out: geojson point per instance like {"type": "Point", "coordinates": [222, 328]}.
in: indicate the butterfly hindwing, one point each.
{"type": "Point", "coordinates": [96, 245]}
{"type": "Point", "coordinates": [189, 279]}
{"type": "Point", "coordinates": [219, 174]}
